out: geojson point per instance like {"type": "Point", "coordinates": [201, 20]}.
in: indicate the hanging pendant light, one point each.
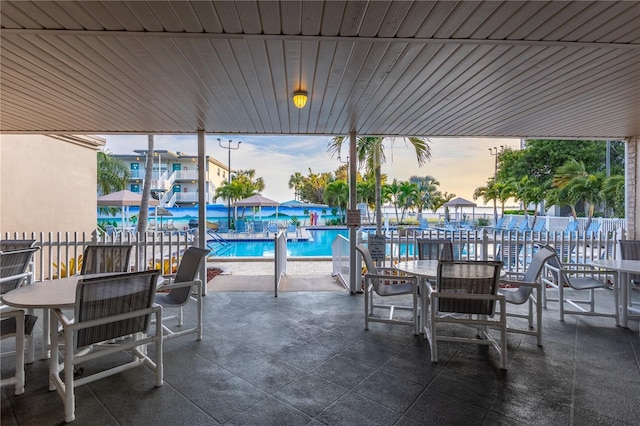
{"type": "Point", "coordinates": [300, 98]}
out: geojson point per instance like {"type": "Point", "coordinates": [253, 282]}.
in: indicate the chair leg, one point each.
{"type": "Point", "coordinates": [366, 306]}
{"type": "Point", "coordinates": [19, 374]}
{"type": "Point", "coordinates": [69, 386]}
{"type": "Point", "coordinates": [538, 318]}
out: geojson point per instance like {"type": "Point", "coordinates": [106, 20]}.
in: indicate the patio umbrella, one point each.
{"type": "Point", "coordinates": [161, 212]}
{"type": "Point", "coordinates": [122, 199]}
{"type": "Point", "coordinates": [257, 201]}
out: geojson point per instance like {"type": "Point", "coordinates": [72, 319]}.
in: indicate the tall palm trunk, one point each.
{"type": "Point", "coordinates": [143, 216]}
{"type": "Point", "coordinates": [378, 195]}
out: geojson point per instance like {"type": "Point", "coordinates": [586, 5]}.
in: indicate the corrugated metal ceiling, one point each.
{"type": "Point", "coordinates": [513, 68]}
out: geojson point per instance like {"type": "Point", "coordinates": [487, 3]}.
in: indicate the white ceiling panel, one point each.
{"type": "Point", "coordinates": [513, 68]}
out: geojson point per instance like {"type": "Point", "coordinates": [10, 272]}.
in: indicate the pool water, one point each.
{"type": "Point", "coordinates": [319, 245]}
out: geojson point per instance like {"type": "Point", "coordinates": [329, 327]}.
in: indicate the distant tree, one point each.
{"type": "Point", "coordinates": [336, 194]}
{"type": "Point", "coordinates": [407, 197]}
{"type": "Point", "coordinates": [113, 173]}
{"type": "Point", "coordinates": [580, 185]}
{"type": "Point", "coordinates": [295, 182]}
{"type": "Point", "coordinates": [370, 151]}
{"type": "Point", "coordinates": [613, 194]}
{"type": "Point", "coordinates": [427, 191]}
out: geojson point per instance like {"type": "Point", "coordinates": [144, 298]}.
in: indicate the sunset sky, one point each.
{"type": "Point", "coordinates": [460, 164]}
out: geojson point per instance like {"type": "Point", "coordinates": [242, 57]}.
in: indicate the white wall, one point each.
{"type": "Point", "coordinates": [48, 183]}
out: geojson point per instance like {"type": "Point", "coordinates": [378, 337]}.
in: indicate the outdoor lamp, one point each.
{"type": "Point", "coordinates": [300, 98]}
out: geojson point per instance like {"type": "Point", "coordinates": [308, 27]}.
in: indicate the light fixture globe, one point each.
{"type": "Point", "coordinates": [300, 98]}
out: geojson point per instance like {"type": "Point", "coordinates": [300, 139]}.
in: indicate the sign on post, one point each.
{"type": "Point", "coordinates": [377, 246]}
{"type": "Point", "coordinates": [353, 218]}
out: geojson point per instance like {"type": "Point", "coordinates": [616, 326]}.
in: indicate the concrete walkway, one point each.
{"type": "Point", "coordinates": [303, 275]}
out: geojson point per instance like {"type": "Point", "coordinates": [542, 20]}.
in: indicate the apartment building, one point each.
{"type": "Point", "coordinates": [175, 176]}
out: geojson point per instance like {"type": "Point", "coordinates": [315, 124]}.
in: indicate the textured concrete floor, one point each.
{"type": "Point", "coordinates": [303, 358]}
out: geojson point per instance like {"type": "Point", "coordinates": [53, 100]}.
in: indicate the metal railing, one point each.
{"type": "Point", "coordinates": [280, 260]}
{"type": "Point", "coordinates": [60, 253]}
{"type": "Point", "coordinates": [340, 260]}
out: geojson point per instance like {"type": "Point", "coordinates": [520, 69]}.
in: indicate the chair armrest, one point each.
{"type": "Point", "coordinates": [64, 320]}
{"type": "Point", "coordinates": [518, 283]}
{"type": "Point", "coordinates": [399, 278]}
{"type": "Point", "coordinates": [179, 285]}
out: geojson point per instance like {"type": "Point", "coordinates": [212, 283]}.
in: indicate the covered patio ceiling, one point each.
{"type": "Point", "coordinates": [442, 68]}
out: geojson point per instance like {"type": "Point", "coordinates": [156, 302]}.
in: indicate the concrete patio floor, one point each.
{"type": "Point", "coordinates": [304, 358]}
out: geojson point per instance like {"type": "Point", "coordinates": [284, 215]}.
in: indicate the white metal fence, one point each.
{"type": "Point", "coordinates": [60, 253]}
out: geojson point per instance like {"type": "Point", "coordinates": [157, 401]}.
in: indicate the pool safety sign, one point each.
{"type": "Point", "coordinates": [353, 218]}
{"type": "Point", "coordinates": [377, 245]}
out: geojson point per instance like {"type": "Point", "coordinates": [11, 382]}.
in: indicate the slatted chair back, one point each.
{"type": "Point", "coordinates": [630, 250]}
{"type": "Point", "coordinates": [467, 277]}
{"type": "Point", "coordinates": [13, 267]}
{"type": "Point", "coordinates": [8, 245]}
{"type": "Point", "coordinates": [103, 297]}
{"type": "Point", "coordinates": [370, 265]}
{"type": "Point", "coordinates": [98, 259]}
{"type": "Point", "coordinates": [434, 249]}
{"type": "Point", "coordinates": [187, 271]}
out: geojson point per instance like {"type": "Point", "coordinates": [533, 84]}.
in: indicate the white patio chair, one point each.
{"type": "Point", "coordinates": [468, 288]}
{"type": "Point", "coordinates": [518, 289]}
{"type": "Point", "coordinates": [387, 282]}
{"type": "Point", "coordinates": [181, 289]}
{"type": "Point", "coordinates": [107, 309]}
{"type": "Point", "coordinates": [578, 278]}
{"type": "Point", "coordinates": [14, 271]}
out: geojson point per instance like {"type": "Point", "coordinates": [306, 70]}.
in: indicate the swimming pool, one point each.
{"type": "Point", "coordinates": [319, 245]}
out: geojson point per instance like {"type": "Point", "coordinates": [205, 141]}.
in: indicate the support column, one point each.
{"type": "Point", "coordinates": [353, 231]}
{"type": "Point", "coordinates": [202, 206]}
{"type": "Point", "coordinates": [632, 187]}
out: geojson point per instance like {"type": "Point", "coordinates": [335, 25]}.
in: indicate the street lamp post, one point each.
{"type": "Point", "coordinates": [494, 151]}
{"type": "Point", "coordinates": [229, 146]}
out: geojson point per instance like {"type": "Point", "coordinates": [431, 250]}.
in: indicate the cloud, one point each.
{"type": "Point", "coordinates": [460, 164]}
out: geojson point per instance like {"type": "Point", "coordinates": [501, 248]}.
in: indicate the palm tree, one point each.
{"type": "Point", "coordinates": [489, 193]}
{"type": "Point", "coordinates": [427, 191]}
{"type": "Point", "coordinates": [370, 152]}
{"type": "Point", "coordinates": [295, 182]}
{"type": "Point", "coordinates": [337, 194]}
{"type": "Point", "coordinates": [394, 192]}
{"type": "Point", "coordinates": [408, 196]}
{"type": "Point", "coordinates": [113, 173]}
{"type": "Point", "coordinates": [573, 177]}
{"type": "Point", "coordinates": [143, 216]}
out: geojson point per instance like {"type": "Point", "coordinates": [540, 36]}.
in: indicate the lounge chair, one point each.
{"type": "Point", "coordinates": [273, 228]}
{"type": "Point", "coordinates": [241, 226]}
{"type": "Point", "coordinates": [292, 230]}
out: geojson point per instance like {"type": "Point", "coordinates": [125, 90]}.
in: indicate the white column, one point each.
{"type": "Point", "coordinates": [202, 206]}
{"type": "Point", "coordinates": [632, 187]}
{"type": "Point", "coordinates": [354, 272]}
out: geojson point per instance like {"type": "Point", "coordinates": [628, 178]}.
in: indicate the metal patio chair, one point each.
{"type": "Point", "coordinates": [630, 249]}
{"type": "Point", "coordinates": [181, 289]}
{"type": "Point", "coordinates": [577, 278]}
{"type": "Point", "coordinates": [466, 293]}
{"type": "Point", "coordinates": [388, 282]}
{"type": "Point", "coordinates": [104, 258]}
{"type": "Point", "coordinates": [15, 323]}
{"type": "Point", "coordinates": [112, 314]}
{"type": "Point", "coordinates": [520, 288]}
